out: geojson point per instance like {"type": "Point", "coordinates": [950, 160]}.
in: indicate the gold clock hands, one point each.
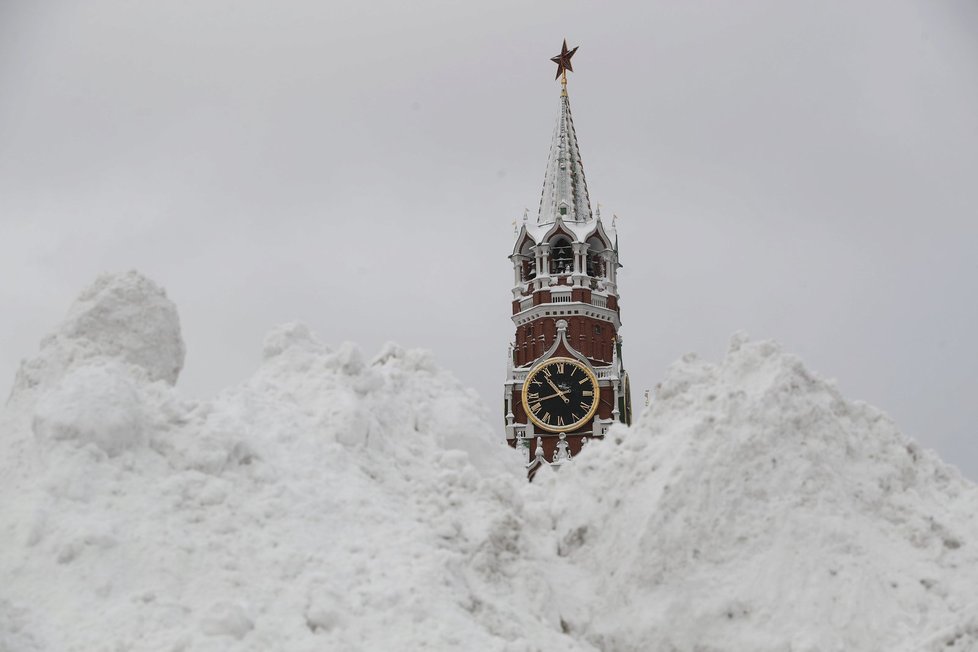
{"type": "Point", "coordinates": [544, 398]}
{"type": "Point", "coordinates": [559, 393]}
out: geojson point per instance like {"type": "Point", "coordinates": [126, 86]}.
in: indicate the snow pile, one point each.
{"type": "Point", "coordinates": [329, 502]}
{"type": "Point", "coordinates": [121, 333]}
{"type": "Point", "coordinates": [334, 502]}
{"type": "Point", "coordinates": [121, 317]}
{"type": "Point", "coordinates": [754, 508]}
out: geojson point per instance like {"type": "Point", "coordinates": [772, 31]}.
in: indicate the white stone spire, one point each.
{"type": "Point", "coordinates": [564, 187]}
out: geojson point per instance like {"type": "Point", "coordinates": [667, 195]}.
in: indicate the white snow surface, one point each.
{"type": "Point", "coordinates": [331, 502]}
{"type": "Point", "coordinates": [121, 317]}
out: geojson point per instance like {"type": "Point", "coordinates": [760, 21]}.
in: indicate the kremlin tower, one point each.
{"type": "Point", "coordinates": [565, 382]}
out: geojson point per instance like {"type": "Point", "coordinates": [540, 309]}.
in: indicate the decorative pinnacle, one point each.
{"type": "Point", "coordinates": [563, 61]}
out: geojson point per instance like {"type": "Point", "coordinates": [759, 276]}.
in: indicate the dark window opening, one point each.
{"type": "Point", "coordinates": [562, 259]}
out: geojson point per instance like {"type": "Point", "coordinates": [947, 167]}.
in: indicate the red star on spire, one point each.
{"type": "Point", "coordinates": [563, 61]}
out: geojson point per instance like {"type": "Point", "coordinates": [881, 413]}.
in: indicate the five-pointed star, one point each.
{"type": "Point", "coordinates": [563, 60]}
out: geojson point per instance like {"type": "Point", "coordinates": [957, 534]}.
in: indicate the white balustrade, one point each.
{"type": "Point", "coordinates": [597, 300]}
{"type": "Point", "coordinates": [602, 373]}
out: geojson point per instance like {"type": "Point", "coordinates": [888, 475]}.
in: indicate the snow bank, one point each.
{"type": "Point", "coordinates": [755, 508]}
{"type": "Point", "coordinates": [333, 501]}
{"type": "Point", "coordinates": [328, 502]}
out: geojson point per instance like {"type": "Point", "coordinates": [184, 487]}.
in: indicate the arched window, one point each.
{"type": "Point", "coordinates": [528, 269]}
{"type": "Point", "coordinates": [561, 257]}
{"type": "Point", "coordinates": [595, 265]}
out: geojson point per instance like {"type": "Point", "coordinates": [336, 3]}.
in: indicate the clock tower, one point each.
{"type": "Point", "coordinates": [565, 380]}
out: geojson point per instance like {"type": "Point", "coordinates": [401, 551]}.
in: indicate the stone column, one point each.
{"type": "Point", "coordinates": [580, 266]}
{"type": "Point", "coordinates": [615, 414]}
{"type": "Point", "coordinates": [611, 272]}
{"type": "Point", "coordinates": [517, 277]}
{"type": "Point", "coordinates": [543, 269]}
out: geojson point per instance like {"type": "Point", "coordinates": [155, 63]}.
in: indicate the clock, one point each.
{"type": "Point", "coordinates": [626, 400]}
{"type": "Point", "coordinates": [560, 394]}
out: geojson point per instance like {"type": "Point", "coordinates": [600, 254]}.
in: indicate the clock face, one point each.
{"type": "Point", "coordinates": [560, 394]}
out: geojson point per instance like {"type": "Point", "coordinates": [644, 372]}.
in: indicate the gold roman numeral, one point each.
{"type": "Point", "coordinates": [587, 392]}
{"type": "Point", "coordinates": [584, 380]}
{"type": "Point", "coordinates": [535, 408]}
{"type": "Point", "coordinates": [532, 396]}
{"type": "Point", "coordinates": [546, 417]}
{"type": "Point", "coordinates": [560, 421]}
{"type": "Point", "coordinates": [585, 406]}
{"type": "Point", "coordinates": [560, 367]}
{"type": "Point", "coordinates": [575, 417]}
{"type": "Point", "coordinates": [546, 372]}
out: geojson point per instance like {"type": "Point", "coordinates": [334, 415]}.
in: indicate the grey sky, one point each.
{"type": "Point", "coordinates": [803, 171]}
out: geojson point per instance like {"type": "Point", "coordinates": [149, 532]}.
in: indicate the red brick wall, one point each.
{"type": "Point", "coordinates": [581, 334]}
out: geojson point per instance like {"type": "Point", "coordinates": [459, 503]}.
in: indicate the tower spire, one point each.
{"type": "Point", "coordinates": [564, 186]}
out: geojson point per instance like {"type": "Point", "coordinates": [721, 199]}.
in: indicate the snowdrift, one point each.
{"type": "Point", "coordinates": [335, 502]}
{"type": "Point", "coordinates": [754, 508]}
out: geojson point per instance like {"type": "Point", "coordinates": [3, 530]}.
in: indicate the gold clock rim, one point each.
{"type": "Point", "coordinates": [577, 424]}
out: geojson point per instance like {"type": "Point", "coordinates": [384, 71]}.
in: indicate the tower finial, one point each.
{"type": "Point", "coordinates": [563, 61]}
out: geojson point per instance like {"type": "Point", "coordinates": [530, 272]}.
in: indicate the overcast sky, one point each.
{"type": "Point", "coordinates": [804, 171]}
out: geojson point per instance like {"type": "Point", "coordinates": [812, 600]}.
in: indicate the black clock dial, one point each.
{"type": "Point", "coordinates": [560, 394]}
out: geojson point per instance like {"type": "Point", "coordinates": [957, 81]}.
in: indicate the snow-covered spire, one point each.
{"type": "Point", "coordinates": [564, 187]}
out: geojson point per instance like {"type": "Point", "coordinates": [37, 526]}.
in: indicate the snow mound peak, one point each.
{"type": "Point", "coordinates": [287, 336]}
{"type": "Point", "coordinates": [124, 317]}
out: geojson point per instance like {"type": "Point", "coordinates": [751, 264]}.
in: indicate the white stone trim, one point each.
{"type": "Point", "coordinates": [565, 311]}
